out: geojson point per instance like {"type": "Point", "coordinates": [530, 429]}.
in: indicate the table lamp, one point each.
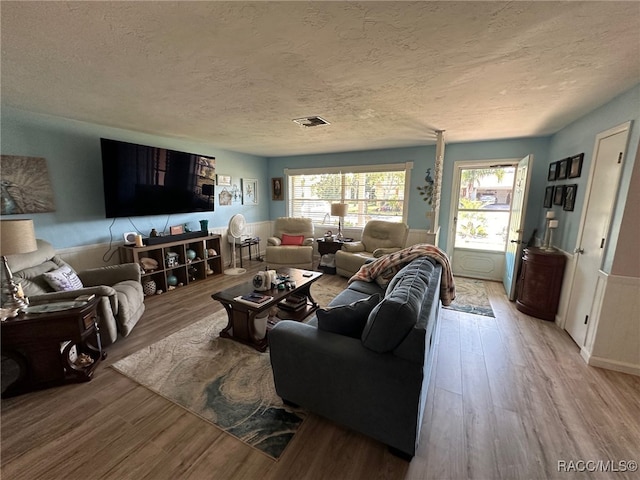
{"type": "Point", "coordinates": [16, 236]}
{"type": "Point", "coordinates": [339, 210]}
{"type": "Point", "coordinates": [548, 234]}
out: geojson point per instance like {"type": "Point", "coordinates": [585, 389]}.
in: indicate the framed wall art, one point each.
{"type": "Point", "coordinates": [223, 180]}
{"type": "Point", "coordinates": [570, 197]}
{"type": "Point", "coordinates": [25, 185]}
{"type": "Point", "coordinates": [562, 169]}
{"type": "Point", "coordinates": [553, 171]}
{"type": "Point", "coordinates": [225, 198]}
{"type": "Point", "coordinates": [249, 187]}
{"type": "Point", "coordinates": [548, 197]}
{"type": "Point", "coordinates": [277, 193]}
{"type": "Point", "coordinates": [558, 195]}
{"type": "Point", "coordinates": [575, 166]}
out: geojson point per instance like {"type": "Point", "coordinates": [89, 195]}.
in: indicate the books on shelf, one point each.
{"type": "Point", "coordinates": [293, 302]}
{"type": "Point", "coordinates": [254, 298]}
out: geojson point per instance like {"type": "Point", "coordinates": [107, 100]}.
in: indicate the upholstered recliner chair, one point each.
{"type": "Point", "coordinates": [291, 244]}
{"type": "Point", "coordinates": [118, 287]}
{"type": "Point", "coordinates": [378, 239]}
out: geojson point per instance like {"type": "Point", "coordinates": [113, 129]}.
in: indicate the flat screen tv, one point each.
{"type": "Point", "coordinates": [141, 180]}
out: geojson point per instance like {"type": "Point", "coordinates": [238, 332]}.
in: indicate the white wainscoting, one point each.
{"type": "Point", "coordinates": [98, 255]}
{"type": "Point", "coordinates": [613, 336]}
{"type": "Point", "coordinates": [262, 230]}
{"type": "Point", "coordinates": [91, 256]}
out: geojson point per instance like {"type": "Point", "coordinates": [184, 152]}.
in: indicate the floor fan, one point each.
{"type": "Point", "coordinates": [234, 233]}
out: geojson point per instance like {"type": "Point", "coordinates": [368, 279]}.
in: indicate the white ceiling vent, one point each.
{"type": "Point", "coordinates": [311, 121]}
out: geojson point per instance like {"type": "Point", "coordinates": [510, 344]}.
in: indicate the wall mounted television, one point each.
{"type": "Point", "coordinates": [140, 180]}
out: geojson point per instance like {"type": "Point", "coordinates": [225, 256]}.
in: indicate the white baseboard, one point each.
{"type": "Point", "coordinates": [609, 364]}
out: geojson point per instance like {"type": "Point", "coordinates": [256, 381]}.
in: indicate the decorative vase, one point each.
{"type": "Point", "coordinates": [191, 254]}
{"type": "Point", "coordinates": [172, 280]}
{"type": "Point", "coordinates": [204, 226]}
{"type": "Point", "coordinates": [149, 287]}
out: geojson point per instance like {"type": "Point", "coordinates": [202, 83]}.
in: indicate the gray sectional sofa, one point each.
{"type": "Point", "coordinates": [365, 362]}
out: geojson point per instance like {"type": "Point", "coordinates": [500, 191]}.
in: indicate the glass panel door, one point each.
{"type": "Point", "coordinates": [484, 205]}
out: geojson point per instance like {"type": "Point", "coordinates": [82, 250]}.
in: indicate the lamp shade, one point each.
{"type": "Point", "coordinates": [17, 236]}
{"type": "Point", "coordinates": [339, 209]}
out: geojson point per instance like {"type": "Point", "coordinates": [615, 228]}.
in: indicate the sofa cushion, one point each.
{"type": "Point", "coordinates": [63, 279]}
{"type": "Point", "coordinates": [292, 239]}
{"type": "Point", "coordinates": [347, 319]}
{"type": "Point", "coordinates": [368, 288]}
{"type": "Point", "coordinates": [393, 318]}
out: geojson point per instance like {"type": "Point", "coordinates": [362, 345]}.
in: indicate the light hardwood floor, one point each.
{"type": "Point", "coordinates": [510, 397]}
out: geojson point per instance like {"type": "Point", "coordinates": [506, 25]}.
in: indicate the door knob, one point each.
{"type": "Point", "coordinates": [515, 241]}
{"type": "Point", "coordinates": [579, 250]}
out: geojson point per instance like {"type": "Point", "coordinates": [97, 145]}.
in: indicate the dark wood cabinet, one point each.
{"type": "Point", "coordinates": [540, 282]}
{"type": "Point", "coordinates": [326, 247]}
{"type": "Point", "coordinates": [45, 347]}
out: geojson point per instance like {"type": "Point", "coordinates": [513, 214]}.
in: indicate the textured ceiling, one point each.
{"type": "Point", "coordinates": [234, 74]}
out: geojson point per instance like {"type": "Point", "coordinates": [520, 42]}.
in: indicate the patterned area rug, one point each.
{"type": "Point", "coordinates": [220, 380]}
{"type": "Point", "coordinates": [471, 297]}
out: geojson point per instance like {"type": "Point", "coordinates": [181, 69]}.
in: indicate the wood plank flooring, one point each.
{"type": "Point", "coordinates": [510, 397]}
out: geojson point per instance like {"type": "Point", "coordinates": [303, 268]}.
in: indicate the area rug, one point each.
{"type": "Point", "coordinates": [220, 380]}
{"type": "Point", "coordinates": [471, 297]}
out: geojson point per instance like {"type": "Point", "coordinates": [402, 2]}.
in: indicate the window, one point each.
{"type": "Point", "coordinates": [372, 192]}
{"type": "Point", "coordinates": [484, 207]}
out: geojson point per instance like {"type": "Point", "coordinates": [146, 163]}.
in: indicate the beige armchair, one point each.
{"type": "Point", "coordinates": [118, 287]}
{"type": "Point", "coordinates": [291, 244]}
{"type": "Point", "coordinates": [378, 239]}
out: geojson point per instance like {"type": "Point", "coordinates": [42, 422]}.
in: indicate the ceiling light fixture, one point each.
{"type": "Point", "coordinates": [311, 121]}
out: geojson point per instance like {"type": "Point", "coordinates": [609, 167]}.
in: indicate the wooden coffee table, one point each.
{"type": "Point", "coordinates": [241, 326]}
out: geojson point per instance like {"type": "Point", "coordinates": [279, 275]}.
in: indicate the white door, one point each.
{"type": "Point", "coordinates": [480, 217]}
{"type": "Point", "coordinates": [516, 226]}
{"type": "Point", "coordinates": [594, 227]}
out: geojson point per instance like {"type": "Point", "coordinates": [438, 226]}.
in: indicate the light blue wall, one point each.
{"type": "Point", "coordinates": [580, 137]}
{"type": "Point", "coordinates": [72, 152]}
{"type": "Point", "coordinates": [422, 158]}
{"type": "Point", "coordinates": [496, 150]}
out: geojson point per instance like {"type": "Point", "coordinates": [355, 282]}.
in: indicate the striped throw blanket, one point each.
{"type": "Point", "coordinates": [384, 268]}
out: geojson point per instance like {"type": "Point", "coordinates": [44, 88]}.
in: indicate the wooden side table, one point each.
{"type": "Point", "coordinates": [42, 345]}
{"type": "Point", "coordinates": [248, 244]}
{"type": "Point", "coordinates": [328, 247]}
{"type": "Point", "coordinates": [540, 282]}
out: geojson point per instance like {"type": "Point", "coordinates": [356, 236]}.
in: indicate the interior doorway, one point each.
{"type": "Point", "coordinates": [602, 188]}
{"type": "Point", "coordinates": [481, 210]}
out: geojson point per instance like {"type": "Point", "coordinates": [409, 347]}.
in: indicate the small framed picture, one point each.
{"type": "Point", "coordinates": [570, 197]}
{"type": "Point", "coordinates": [553, 171]}
{"type": "Point", "coordinates": [176, 230]}
{"type": "Point", "coordinates": [223, 180]}
{"type": "Point", "coordinates": [562, 169]}
{"type": "Point", "coordinates": [575, 166]}
{"type": "Point", "coordinates": [249, 187]}
{"type": "Point", "coordinates": [277, 193]}
{"type": "Point", "coordinates": [558, 195]}
{"type": "Point", "coordinates": [548, 197]}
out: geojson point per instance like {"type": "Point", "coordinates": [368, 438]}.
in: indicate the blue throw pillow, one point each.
{"type": "Point", "coordinates": [348, 319]}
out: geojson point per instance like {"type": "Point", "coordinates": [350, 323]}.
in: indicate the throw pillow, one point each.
{"type": "Point", "coordinates": [63, 279]}
{"type": "Point", "coordinates": [348, 320]}
{"type": "Point", "coordinates": [292, 239]}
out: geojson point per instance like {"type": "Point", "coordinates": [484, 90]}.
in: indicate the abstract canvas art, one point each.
{"type": "Point", "coordinates": [25, 185]}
